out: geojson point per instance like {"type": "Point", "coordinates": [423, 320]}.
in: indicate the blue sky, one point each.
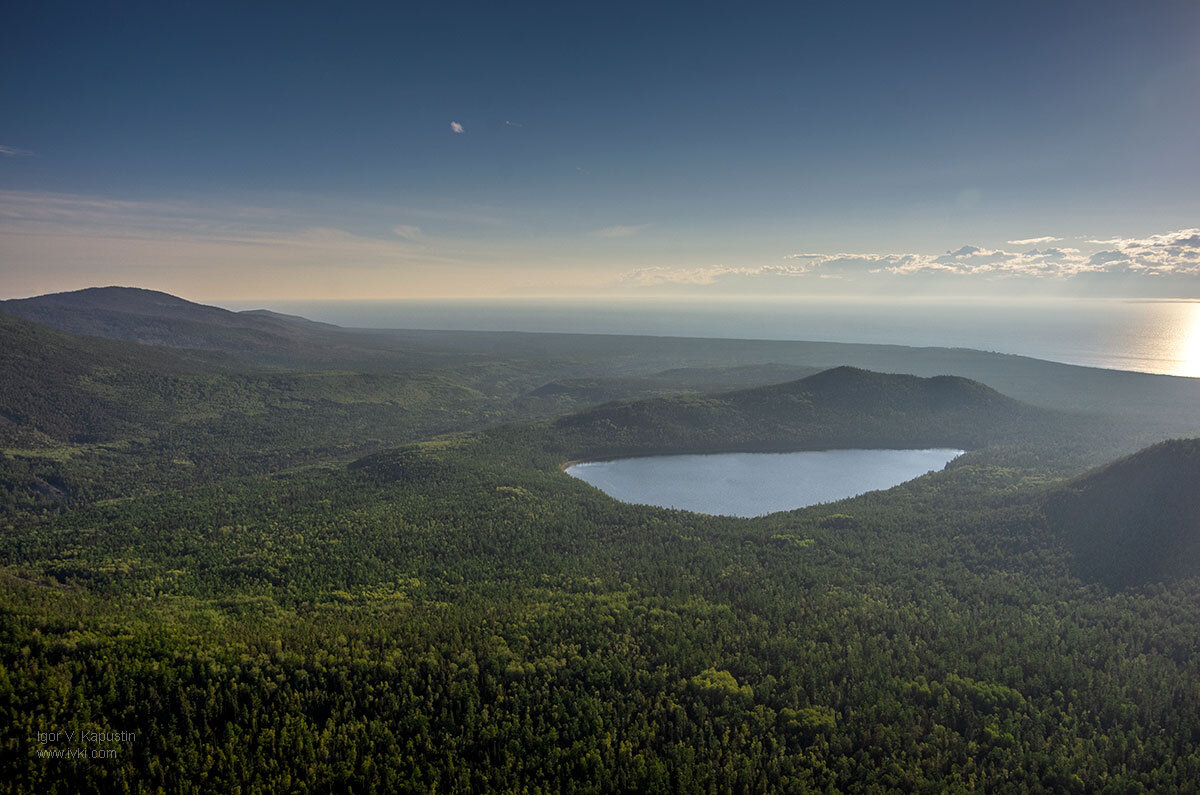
{"type": "Point", "coordinates": [513, 149]}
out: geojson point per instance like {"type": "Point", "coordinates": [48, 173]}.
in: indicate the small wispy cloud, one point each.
{"type": "Point", "coordinates": [457, 128]}
{"type": "Point", "coordinates": [1187, 238]}
{"type": "Point", "coordinates": [13, 151]}
{"type": "Point", "coordinates": [512, 124]}
{"type": "Point", "coordinates": [619, 231]}
{"type": "Point", "coordinates": [1034, 241]}
{"type": "Point", "coordinates": [47, 237]}
{"type": "Point", "coordinates": [708, 274]}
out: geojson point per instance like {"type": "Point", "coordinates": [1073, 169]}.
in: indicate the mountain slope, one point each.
{"type": "Point", "coordinates": [94, 418]}
{"type": "Point", "coordinates": [69, 388]}
{"type": "Point", "coordinates": [1136, 520]}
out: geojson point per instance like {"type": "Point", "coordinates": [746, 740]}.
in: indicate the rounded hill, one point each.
{"type": "Point", "coordinates": [841, 407]}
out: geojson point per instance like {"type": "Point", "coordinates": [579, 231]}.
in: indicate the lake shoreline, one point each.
{"type": "Point", "coordinates": [747, 485]}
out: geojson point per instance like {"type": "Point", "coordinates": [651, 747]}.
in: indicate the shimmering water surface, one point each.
{"type": "Point", "coordinates": [754, 484]}
{"type": "Point", "coordinates": [1149, 336]}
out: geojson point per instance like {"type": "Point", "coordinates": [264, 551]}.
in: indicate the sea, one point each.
{"type": "Point", "coordinates": [1145, 336]}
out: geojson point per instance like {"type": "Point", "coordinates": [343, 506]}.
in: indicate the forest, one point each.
{"type": "Point", "coordinates": [252, 554]}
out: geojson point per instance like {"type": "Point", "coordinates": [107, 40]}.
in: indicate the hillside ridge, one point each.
{"type": "Point", "coordinates": [1135, 520]}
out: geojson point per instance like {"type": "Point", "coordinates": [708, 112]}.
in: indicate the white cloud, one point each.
{"type": "Point", "coordinates": [12, 151]}
{"type": "Point", "coordinates": [407, 232]}
{"type": "Point", "coordinates": [1033, 241]}
{"type": "Point", "coordinates": [512, 124]}
{"type": "Point", "coordinates": [1175, 252]}
{"type": "Point", "coordinates": [620, 231]}
{"type": "Point", "coordinates": [457, 128]}
{"type": "Point", "coordinates": [1172, 253]}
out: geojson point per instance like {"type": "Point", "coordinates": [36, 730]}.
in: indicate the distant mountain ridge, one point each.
{"type": "Point", "coordinates": [156, 318]}
{"type": "Point", "coordinates": [1135, 520]}
{"type": "Point", "coordinates": [287, 318]}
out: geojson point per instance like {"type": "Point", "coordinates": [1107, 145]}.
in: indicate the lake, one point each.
{"type": "Point", "coordinates": [755, 484]}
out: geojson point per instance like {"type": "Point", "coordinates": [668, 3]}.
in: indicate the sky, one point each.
{"type": "Point", "coordinates": [601, 150]}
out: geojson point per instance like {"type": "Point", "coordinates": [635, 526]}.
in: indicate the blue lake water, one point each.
{"type": "Point", "coordinates": [755, 484]}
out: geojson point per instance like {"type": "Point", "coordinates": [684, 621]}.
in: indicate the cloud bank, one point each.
{"type": "Point", "coordinates": [63, 241]}
{"type": "Point", "coordinates": [1170, 254]}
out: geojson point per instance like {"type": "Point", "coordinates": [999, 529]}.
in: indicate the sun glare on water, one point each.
{"type": "Point", "coordinates": [1188, 355]}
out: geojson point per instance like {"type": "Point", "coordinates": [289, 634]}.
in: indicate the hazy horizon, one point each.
{"type": "Point", "coordinates": [1147, 336]}
{"type": "Point", "coordinates": [1158, 336]}
{"type": "Point", "coordinates": [541, 150]}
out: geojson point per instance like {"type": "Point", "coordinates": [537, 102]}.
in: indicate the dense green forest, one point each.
{"type": "Point", "coordinates": [294, 558]}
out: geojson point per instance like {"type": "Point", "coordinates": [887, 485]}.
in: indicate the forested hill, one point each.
{"type": "Point", "coordinates": [1136, 520]}
{"type": "Point", "coordinates": [157, 318]}
{"type": "Point", "coordinates": [841, 407]}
